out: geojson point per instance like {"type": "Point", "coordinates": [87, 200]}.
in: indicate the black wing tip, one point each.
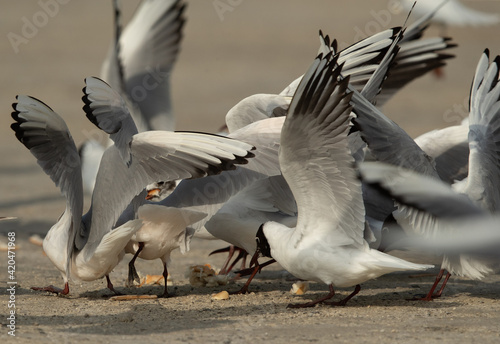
{"type": "Point", "coordinates": [182, 5]}
{"type": "Point", "coordinates": [18, 131]}
{"type": "Point", "coordinates": [244, 160]}
{"type": "Point", "coordinates": [15, 114]}
{"type": "Point", "coordinates": [227, 164]}
{"type": "Point", "coordinates": [89, 112]}
{"type": "Point", "coordinates": [445, 56]}
{"type": "Point", "coordinates": [450, 45]}
{"type": "Point", "coordinates": [497, 60]}
{"type": "Point", "coordinates": [446, 38]}
{"type": "Point", "coordinates": [396, 30]}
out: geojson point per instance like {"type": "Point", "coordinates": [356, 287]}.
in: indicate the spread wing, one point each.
{"type": "Point", "coordinates": [46, 135]}
{"type": "Point", "coordinates": [484, 135]}
{"type": "Point", "coordinates": [146, 52]}
{"type": "Point", "coordinates": [316, 161]}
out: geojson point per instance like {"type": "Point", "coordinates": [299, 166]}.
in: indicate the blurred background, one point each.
{"type": "Point", "coordinates": [253, 47]}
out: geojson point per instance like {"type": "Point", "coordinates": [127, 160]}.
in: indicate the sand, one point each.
{"type": "Point", "coordinates": [255, 47]}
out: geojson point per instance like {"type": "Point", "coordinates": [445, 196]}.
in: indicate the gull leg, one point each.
{"type": "Point", "coordinates": [438, 294]}
{"type": "Point", "coordinates": [241, 255]}
{"type": "Point", "coordinates": [344, 301]}
{"type": "Point", "coordinates": [430, 295]}
{"type": "Point", "coordinates": [229, 249]}
{"type": "Point", "coordinates": [165, 275]}
{"type": "Point", "coordinates": [54, 290]}
{"type": "Point", "coordinates": [132, 272]}
{"type": "Point", "coordinates": [314, 302]}
{"type": "Point", "coordinates": [254, 271]}
{"type": "Point", "coordinates": [110, 286]}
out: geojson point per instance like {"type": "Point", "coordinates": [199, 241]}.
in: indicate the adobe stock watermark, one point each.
{"type": "Point", "coordinates": [11, 283]}
{"type": "Point", "coordinates": [153, 78]}
{"type": "Point", "coordinates": [31, 25]}
{"type": "Point", "coordinates": [223, 6]}
{"type": "Point", "coordinates": [457, 112]}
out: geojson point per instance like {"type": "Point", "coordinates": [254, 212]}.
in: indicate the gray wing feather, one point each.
{"type": "Point", "coordinates": [109, 112]}
{"type": "Point", "coordinates": [47, 137]}
{"type": "Point", "coordinates": [484, 135]}
{"type": "Point", "coordinates": [156, 156]}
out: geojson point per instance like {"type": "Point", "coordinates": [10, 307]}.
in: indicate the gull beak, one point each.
{"type": "Point", "coordinates": [152, 194]}
{"type": "Point", "coordinates": [255, 257]}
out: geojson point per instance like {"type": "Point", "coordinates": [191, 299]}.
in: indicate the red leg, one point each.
{"type": "Point", "coordinates": [255, 269]}
{"type": "Point", "coordinates": [110, 286]}
{"type": "Point", "coordinates": [430, 295]}
{"type": "Point", "coordinates": [241, 255]}
{"type": "Point", "coordinates": [438, 294]}
{"type": "Point", "coordinates": [229, 249]}
{"type": "Point", "coordinates": [244, 289]}
{"type": "Point", "coordinates": [344, 301]}
{"type": "Point", "coordinates": [54, 290]}
{"type": "Point", "coordinates": [314, 302]}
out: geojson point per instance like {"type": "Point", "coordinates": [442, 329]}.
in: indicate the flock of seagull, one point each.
{"type": "Point", "coordinates": [316, 177]}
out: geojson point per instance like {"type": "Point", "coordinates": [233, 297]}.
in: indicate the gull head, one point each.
{"type": "Point", "coordinates": [262, 244]}
{"type": "Point", "coordinates": [160, 190]}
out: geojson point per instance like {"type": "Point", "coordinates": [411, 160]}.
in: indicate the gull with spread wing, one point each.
{"type": "Point", "coordinates": [139, 66]}
{"type": "Point", "coordinates": [429, 201]}
{"type": "Point", "coordinates": [169, 225]}
{"type": "Point", "coordinates": [327, 245]}
{"type": "Point", "coordinates": [416, 57]}
{"type": "Point", "coordinates": [88, 247]}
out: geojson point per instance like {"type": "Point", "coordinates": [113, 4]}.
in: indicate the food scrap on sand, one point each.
{"type": "Point", "coordinates": [155, 279]}
{"type": "Point", "coordinates": [300, 288]}
{"type": "Point", "coordinates": [132, 297]}
{"type": "Point", "coordinates": [223, 295]}
{"type": "Point", "coordinates": [205, 276]}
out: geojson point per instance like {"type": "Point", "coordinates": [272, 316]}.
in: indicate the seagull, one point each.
{"type": "Point", "coordinates": [233, 217]}
{"type": "Point", "coordinates": [139, 65]}
{"type": "Point", "coordinates": [416, 56]}
{"type": "Point", "coordinates": [169, 227]}
{"type": "Point", "coordinates": [480, 187]}
{"type": "Point", "coordinates": [361, 57]}
{"type": "Point", "coordinates": [141, 59]}
{"type": "Point", "coordinates": [268, 199]}
{"type": "Point", "coordinates": [88, 247]}
{"type": "Point", "coordinates": [163, 230]}
{"type": "Point", "coordinates": [158, 191]}
{"type": "Point", "coordinates": [327, 244]}
{"type": "Point", "coordinates": [46, 135]}
{"type": "Point", "coordinates": [454, 226]}
{"type": "Point", "coordinates": [210, 194]}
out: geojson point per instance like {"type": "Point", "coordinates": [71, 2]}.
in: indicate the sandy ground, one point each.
{"type": "Point", "coordinates": [256, 47]}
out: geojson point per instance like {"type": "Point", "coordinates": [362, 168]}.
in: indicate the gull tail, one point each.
{"type": "Point", "coordinates": [387, 263]}
{"type": "Point", "coordinates": [114, 242]}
